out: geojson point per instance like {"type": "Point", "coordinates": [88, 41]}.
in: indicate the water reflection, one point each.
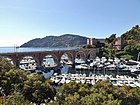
{"type": "Point", "coordinates": [48, 74]}
{"type": "Point", "coordinates": [64, 69]}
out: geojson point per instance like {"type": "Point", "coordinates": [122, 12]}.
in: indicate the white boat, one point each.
{"type": "Point", "coordinates": [94, 63]}
{"type": "Point", "coordinates": [123, 80]}
{"type": "Point", "coordinates": [121, 65]}
{"type": "Point", "coordinates": [72, 78]}
{"type": "Point", "coordinates": [78, 67]}
{"type": "Point", "coordinates": [83, 80]}
{"type": "Point", "coordinates": [62, 81]}
{"type": "Point", "coordinates": [100, 65]}
{"type": "Point", "coordinates": [92, 81]}
{"type": "Point", "coordinates": [57, 79]}
{"type": "Point", "coordinates": [77, 80]}
{"type": "Point", "coordinates": [84, 66]}
{"type": "Point", "coordinates": [137, 84]}
{"type": "Point", "coordinates": [88, 81]}
{"type": "Point", "coordinates": [110, 60]}
{"type": "Point", "coordinates": [103, 59]}
{"type": "Point", "coordinates": [68, 79]}
{"type": "Point", "coordinates": [79, 61]}
{"type": "Point", "coordinates": [107, 63]}
{"type": "Point", "coordinates": [120, 83]}
{"type": "Point", "coordinates": [111, 67]}
{"type": "Point", "coordinates": [81, 66]}
{"type": "Point", "coordinates": [68, 62]}
{"type": "Point", "coordinates": [97, 59]}
{"type": "Point", "coordinates": [135, 70]}
{"type": "Point", "coordinates": [132, 84]}
{"type": "Point", "coordinates": [84, 75]}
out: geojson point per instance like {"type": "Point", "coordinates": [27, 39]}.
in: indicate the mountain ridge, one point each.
{"type": "Point", "coordinates": [65, 40]}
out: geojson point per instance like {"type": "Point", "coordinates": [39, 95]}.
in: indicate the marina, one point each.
{"type": "Point", "coordinates": [92, 79]}
{"type": "Point", "coordinates": [119, 72]}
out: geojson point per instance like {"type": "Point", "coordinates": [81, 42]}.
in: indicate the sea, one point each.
{"type": "Point", "coordinates": [30, 49]}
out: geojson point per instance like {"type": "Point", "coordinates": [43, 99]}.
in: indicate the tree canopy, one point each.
{"type": "Point", "coordinates": [102, 93]}
{"type": "Point", "coordinates": [19, 86]}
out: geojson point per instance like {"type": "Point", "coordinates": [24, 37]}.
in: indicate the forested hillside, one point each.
{"type": "Point", "coordinates": [129, 50]}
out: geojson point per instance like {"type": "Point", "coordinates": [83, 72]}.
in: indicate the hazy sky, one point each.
{"type": "Point", "coordinates": [23, 20]}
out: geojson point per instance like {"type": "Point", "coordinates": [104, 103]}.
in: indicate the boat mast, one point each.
{"type": "Point", "coordinates": [138, 56]}
{"type": "Point", "coordinates": [15, 48]}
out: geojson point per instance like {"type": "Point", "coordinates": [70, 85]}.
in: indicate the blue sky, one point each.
{"type": "Point", "coordinates": [23, 20]}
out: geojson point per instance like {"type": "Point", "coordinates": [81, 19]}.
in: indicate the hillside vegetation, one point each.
{"type": "Point", "coordinates": [133, 34]}
{"type": "Point", "coordinates": [129, 50]}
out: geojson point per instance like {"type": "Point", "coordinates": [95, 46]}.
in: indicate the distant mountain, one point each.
{"type": "Point", "coordinates": [66, 40]}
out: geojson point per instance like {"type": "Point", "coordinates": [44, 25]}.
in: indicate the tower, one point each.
{"type": "Point", "coordinates": [88, 41]}
{"type": "Point", "coordinates": [91, 41]}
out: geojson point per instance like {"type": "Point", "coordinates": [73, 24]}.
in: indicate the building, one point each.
{"type": "Point", "coordinates": [91, 41]}
{"type": "Point", "coordinates": [119, 43]}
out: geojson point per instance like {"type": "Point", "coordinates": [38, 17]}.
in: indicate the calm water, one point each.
{"type": "Point", "coordinates": [30, 49]}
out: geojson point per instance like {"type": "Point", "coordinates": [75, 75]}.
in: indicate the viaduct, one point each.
{"type": "Point", "coordinates": [16, 57]}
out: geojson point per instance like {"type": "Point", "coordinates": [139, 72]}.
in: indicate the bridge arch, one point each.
{"type": "Point", "coordinates": [91, 55]}
{"type": "Point", "coordinates": [49, 58]}
{"type": "Point", "coordinates": [70, 55]}
{"type": "Point", "coordinates": [80, 55]}
{"type": "Point", "coordinates": [28, 62]}
{"type": "Point", "coordinates": [67, 58]}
